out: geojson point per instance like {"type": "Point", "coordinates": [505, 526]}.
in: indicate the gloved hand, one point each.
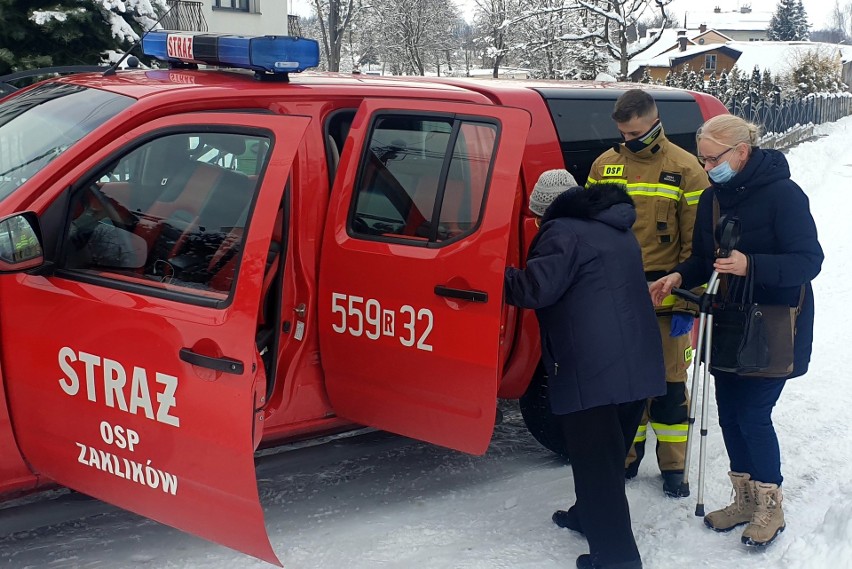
{"type": "Point", "coordinates": [681, 324]}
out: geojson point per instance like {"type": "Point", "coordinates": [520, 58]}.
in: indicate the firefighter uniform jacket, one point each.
{"type": "Point", "coordinates": [665, 182]}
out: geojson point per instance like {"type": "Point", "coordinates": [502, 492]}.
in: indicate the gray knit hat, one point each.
{"type": "Point", "coordinates": [550, 184]}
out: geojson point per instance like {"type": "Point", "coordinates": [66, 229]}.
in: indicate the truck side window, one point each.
{"type": "Point", "coordinates": [417, 168]}
{"type": "Point", "coordinates": [171, 213]}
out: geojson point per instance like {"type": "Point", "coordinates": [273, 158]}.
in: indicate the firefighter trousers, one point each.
{"type": "Point", "coordinates": [667, 414]}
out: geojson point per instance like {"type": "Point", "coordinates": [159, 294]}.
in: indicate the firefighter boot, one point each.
{"type": "Point", "coordinates": [673, 485]}
{"type": "Point", "coordinates": [740, 511]}
{"type": "Point", "coordinates": [768, 518]}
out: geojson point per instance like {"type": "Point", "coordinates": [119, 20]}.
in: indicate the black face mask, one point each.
{"type": "Point", "coordinates": [641, 143]}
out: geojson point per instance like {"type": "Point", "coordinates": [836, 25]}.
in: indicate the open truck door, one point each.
{"type": "Point", "coordinates": [132, 370]}
{"type": "Point", "coordinates": [411, 277]}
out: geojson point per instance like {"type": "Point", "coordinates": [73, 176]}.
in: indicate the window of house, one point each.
{"type": "Point", "coordinates": [710, 61]}
{"type": "Point", "coordinates": [239, 5]}
{"type": "Point", "coordinates": [423, 180]}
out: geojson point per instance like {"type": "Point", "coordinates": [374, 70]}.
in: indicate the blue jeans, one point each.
{"type": "Point", "coordinates": [745, 415]}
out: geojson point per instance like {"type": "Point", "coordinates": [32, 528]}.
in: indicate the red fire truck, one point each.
{"type": "Point", "coordinates": [196, 263]}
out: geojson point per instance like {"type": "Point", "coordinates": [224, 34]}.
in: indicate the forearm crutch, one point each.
{"type": "Point", "coordinates": [705, 342]}
{"type": "Point", "coordinates": [727, 240]}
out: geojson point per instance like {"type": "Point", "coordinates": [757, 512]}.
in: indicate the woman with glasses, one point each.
{"type": "Point", "coordinates": [778, 246]}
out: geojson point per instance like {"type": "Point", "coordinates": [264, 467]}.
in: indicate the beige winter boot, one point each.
{"type": "Point", "coordinates": [768, 519]}
{"type": "Point", "coordinates": [740, 511]}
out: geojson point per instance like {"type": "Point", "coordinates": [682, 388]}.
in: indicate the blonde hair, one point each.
{"type": "Point", "coordinates": [729, 130]}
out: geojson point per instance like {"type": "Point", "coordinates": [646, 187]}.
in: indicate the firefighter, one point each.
{"type": "Point", "coordinates": [665, 182]}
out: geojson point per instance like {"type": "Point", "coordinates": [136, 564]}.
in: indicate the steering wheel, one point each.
{"type": "Point", "coordinates": [109, 209]}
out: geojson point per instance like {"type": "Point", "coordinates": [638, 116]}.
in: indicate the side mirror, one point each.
{"type": "Point", "coordinates": [20, 244]}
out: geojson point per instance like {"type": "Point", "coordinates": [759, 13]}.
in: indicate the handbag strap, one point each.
{"type": "Point", "coordinates": [715, 220]}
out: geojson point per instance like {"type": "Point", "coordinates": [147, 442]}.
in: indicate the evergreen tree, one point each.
{"type": "Point", "coordinates": [694, 83]}
{"type": "Point", "coordinates": [767, 87]}
{"type": "Point", "coordinates": [803, 28]}
{"type": "Point", "coordinates": [669, 82]}
{"type": "Point", "coordinates": [646, 78]}
{"type": "Point", "coordinates": [789, 22]}
{"type": "Point", "coordinates": [682, 80]}
{"type": "Point", "coordinates": [41, 33]}
{"type": "Point", "coordinates": [713, 84]}
{"type": "Point", "coordinates": [724, 88]}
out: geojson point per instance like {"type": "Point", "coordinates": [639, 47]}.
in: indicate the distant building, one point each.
{"type": "Point", "coordinates": [739, 25]}
{"type": "Point", "coordinates": [779, 58]}
{"type": "Point", "coordinates": [242, 17]}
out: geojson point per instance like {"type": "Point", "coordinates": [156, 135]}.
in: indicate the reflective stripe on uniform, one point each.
{"type": "Point", "coordinates": [692, 197]}
{"type": "Point", "coordinates": [650, 190]}
{"type": "Point", "coordinates": [670, 433]}
{"type": "Point", "coordinates": [641, 434]}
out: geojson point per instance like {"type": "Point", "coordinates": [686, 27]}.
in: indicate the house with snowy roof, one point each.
{"type": "Point", "coordinates": [741, 24]}
{"type": "Point", "coordinates": [779, 58]}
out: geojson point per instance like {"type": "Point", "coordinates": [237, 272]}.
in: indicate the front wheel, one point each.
{"type": "Point", "coordinates": [540, 421]}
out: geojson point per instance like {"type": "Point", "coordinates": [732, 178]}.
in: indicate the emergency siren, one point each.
{"type": "Point", "coordinates": [267, 56]}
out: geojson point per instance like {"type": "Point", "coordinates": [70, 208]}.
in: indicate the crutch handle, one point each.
{"type": "Point", "coordinates": [687, 295]}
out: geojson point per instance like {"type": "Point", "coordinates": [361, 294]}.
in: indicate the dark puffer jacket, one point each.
{"type": "Point", "coordinates": [584, 278]}
{"type": "Point", "coordinates": [776, 229]}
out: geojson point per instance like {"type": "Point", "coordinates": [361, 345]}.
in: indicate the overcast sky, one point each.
{"type": "Point", "coordinates": [818, 10]}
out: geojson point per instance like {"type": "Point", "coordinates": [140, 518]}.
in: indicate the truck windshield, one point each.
{"type": "Point", "coordinates": [40, 124]}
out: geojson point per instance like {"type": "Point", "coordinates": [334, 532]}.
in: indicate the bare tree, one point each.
{"type": "Point", "coordinates": [840, 18]}
{"type": "Point", "coordinates": [416, 33]}
{"type": "Point", "coordinates": [335, 17]}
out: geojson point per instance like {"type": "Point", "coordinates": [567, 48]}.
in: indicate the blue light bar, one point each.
{"type": "Point", "coordinates": [269, 54]}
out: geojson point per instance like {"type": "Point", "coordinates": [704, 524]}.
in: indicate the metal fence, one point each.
{"type": "Point", "coordinates": [185, 16]}
{"type": "Point", "coordinates": [778, 116]}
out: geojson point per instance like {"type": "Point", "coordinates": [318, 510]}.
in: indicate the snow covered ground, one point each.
{"type": "Point", "coordinates": [383, 501]}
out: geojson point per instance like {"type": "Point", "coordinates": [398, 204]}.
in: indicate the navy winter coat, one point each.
{"type": "Point", "coordinates": [777, 230]}
{"type": "Point", "coordinates": [584, 278]}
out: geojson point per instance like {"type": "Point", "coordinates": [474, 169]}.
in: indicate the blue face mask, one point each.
{"type": "Point", "coordinates": [722, 173]}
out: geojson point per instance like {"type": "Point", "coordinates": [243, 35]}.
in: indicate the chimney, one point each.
{"type": "Point", "coordinates": [681, 40]}
{"type": "Point", "coordinates": [745, 10]}
{"type": "Point", "coordinates": [702, 28]}
{"type": "Point", "coordinates": [717, 10]}
{"type": "Point", "coordinates": [681, 33]}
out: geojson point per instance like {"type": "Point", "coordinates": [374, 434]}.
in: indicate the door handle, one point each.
{"type": "Point", "coordinates": [461, 293]}
{"type": "Point", "coordinates": [226, 365]}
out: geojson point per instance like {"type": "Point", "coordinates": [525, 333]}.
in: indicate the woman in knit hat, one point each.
{"type": "Point", "coordinates": [601, 348]}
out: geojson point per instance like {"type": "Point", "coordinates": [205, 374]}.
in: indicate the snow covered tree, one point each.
{"type": "Point", "coordinates": [420, 32]}
{"type": "Point", "coordinates": [41, 33]}
{"type": "Point", "coordinates": [789, 22]}
{"type": "Point", "coordinates": [335, 17]}
{"type": "Point", "coordinates": [607, 24]}
{"type": "Point", "coordinates": [724, 87]}
{"type": "Point", "coordinates": [713, 84]}
{"type": "Point", "coordinates": [646, 77]}
{"type": "Point", "coordinates": [767, 86]}
{"type": "Point", "coordinates": [494, 33]}
{"type": "Point", "coordinates": [536, 44]}
{"type": "Point", "coordinates": [816, 71]}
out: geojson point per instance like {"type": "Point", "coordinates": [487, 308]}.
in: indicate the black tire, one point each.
{"type": "Point", "coordinates": [541, 423]}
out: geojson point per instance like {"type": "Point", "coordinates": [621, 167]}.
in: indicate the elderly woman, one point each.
{"type": "Point", "coordinates": [778, 246]}
{"type": "Point", "coordinates": [585, 280]}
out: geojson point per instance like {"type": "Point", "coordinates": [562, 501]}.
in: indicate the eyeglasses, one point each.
{"type": "Point", "coordinates": [712, 159]}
